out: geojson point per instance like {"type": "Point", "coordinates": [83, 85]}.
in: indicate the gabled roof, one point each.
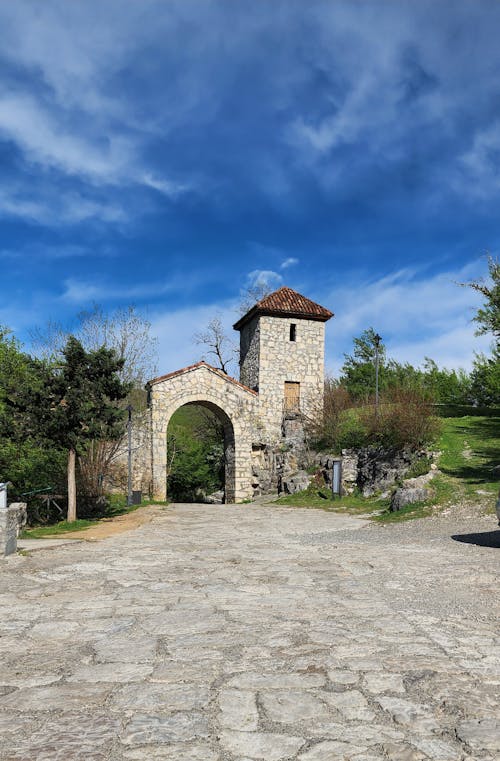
{"type": "Point", "coordinates": [195, 367]}
{"type": "Point", "coordinates": [285, 302]}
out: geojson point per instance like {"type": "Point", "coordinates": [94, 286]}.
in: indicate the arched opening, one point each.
{"type": "Point", "coordinates": [200, 454]}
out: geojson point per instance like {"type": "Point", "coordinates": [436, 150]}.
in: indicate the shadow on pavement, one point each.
{"type": "Point", "coordinates": [484, 539]}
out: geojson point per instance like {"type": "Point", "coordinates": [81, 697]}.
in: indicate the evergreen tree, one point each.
{"type": "Point", "coordinates": [75, 402]}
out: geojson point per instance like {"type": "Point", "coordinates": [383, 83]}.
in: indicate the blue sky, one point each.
{"type": "Point", "coordinates": [167, 153]}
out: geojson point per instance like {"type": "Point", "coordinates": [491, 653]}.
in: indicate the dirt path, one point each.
{"type": "Point", "coordinates": [112, 526]}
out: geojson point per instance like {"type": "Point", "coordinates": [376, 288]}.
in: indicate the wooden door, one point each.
{"type": "Point", "coordinates": [292, 396]}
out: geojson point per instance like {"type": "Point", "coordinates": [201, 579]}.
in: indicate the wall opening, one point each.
{"type": "Point", "coordinates": [293, 332]}
{"type": "Point", "coordinates": [200, 454]}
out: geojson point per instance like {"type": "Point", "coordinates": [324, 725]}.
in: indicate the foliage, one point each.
{"type": "Point", "coordinates": [439, 384]}
{"type": "Point", "coordinates": [488, 316]}
{"type": "Point", "coordinates": [22, 461]}
{"type": "Point", "coordinates": [485, 379]}
{"type": "Point", "coordinates": [196, 454]}
{"type": "Point", "coordinates": [404, 419]}
{"type": "Point", "coordinates": [74, 403]}
{"type": "Point", "coordinates": [442, 385]}
{"type": "Point", "coordinates": [28, 467]}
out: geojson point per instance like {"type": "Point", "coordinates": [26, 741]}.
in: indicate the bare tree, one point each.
{"type": "Point", "coordinates": [123, 330]}
{"type": "Point", "coordinates": [217, 344]}
{"type": "Point", "coordinates": [253, 294]}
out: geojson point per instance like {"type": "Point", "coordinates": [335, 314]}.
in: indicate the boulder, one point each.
{"type": "Point", "coordinates": [408, 496]}
{"type": "Point", "coordinates": [298, 482]}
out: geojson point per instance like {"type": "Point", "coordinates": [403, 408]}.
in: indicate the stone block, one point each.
{"type": "Point", "coordinates": [9, 527]}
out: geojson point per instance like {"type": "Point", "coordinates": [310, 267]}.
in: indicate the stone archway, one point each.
{"type": "Point", "coordinates": [235, 405]}
{"type": "Point", "coordinates": [229, 445]}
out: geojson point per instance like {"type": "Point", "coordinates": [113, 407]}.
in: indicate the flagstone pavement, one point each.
{"type": "Point", "coordinates": [231, 633]}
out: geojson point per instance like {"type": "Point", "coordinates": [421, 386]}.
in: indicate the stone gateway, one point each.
{"type": "Point", "coordinates": [282, 341]}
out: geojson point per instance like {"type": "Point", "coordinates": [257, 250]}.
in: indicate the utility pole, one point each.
{"type": "Point", "coordinates": [129, 479]}
{"type": "Point", "coordinates": [376, 340]}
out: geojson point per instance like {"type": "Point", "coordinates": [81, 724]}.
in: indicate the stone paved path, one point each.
{"type": "Point", "coordinates": [236, 633]}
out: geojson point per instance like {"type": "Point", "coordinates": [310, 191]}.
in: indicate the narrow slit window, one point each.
{"type": "Point", "coordinates": [293, 332]}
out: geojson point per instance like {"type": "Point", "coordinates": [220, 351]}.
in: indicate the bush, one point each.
{"type": "Point", "coordinates": [337, 425]}
{"type": "Point", "coordinates": [404, 420]}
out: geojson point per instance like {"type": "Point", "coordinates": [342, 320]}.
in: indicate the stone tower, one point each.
{"type": "Point", "coordinates": [282, 350]}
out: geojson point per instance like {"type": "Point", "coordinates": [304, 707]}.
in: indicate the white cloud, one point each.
{"type": "Point", "coordinates": [264, 279]}
{"type": "Point", "coordinates": [54, 209]}
{"type": "Point", "coordinates": [289, 262]}
{"type": "Point", "coordinates": [417, 316]}
{"type": "Point", "coordinates": [46, 140]}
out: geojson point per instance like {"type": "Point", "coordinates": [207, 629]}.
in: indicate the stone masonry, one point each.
{"type": "Point", "coordinates": [281, 347]}
{"type": "Point", "coordinates": [233, 403]}
{"type": "Point", "coordinates": [276, 360]}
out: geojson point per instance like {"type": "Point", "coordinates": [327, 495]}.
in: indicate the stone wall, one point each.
{"type": "Point", "coordinates": [283, 360]}
{"type": "Point", "coordinates": [250, 354]}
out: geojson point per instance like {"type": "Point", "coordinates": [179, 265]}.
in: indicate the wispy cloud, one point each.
{"type": "Point", "coordinates": [264, 279]}
{"type": "Point", "coordinates": [291, 261]}
{"type": "Point", "coordinates": [417, 316]}
{"type": "Point", "coordinates": [54, 209]}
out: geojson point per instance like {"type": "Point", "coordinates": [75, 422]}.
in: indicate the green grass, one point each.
{"type": "Point", "coordinates": [470, 450]}
{"type": "Point", "coordinates": [57, 528]}
{"type": "Point", "coordinates": [316, 498]}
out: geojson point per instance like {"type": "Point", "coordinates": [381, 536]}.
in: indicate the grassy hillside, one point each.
{"type": "Point", "coordinates": [470, 474]}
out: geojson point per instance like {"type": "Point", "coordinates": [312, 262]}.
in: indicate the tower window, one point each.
{"type": "Point", "coordinates": [293, 332]}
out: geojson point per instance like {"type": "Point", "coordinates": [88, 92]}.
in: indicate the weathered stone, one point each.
{"type": "Point", "coordinates": [257, 681]}
{"type": "Point", "coordinates": [298, 482]}
{"type": "Point", "coordinates": [406, 712]}
{"type": "Point", "coordinates": [408, 496]}
{"type": "Point", "coordinates": [55, 697]}
{"type": "Point", "coordinates": [144, 729]}
{"type": "Point", "coordinates": [111, 672]}
{"type": "Point", "coordinates": [259, 745]}
{"type": "Point", "coordinates": [480, 734]}
{"type": "Point", "coordinates": [170, 752]}
{"type": "Point", "coordinates": [331, 749]}
{"type": "Point", "coordinates": [383, 682]}
{"type": "Point", "coordinates": [351, 704]}
{"type": "Point", "coordinates": [159, 697]}
{"type": "Point", "coordinates": [291, 706]}
{"type": "Point", "coordinates": [190, 625]}
{"type": "Point", "coordinates": [238, 710]}
{"type": "Point", "coordinates": [9, 529]}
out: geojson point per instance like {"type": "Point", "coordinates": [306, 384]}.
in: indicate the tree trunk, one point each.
{"type": "Point", "coordinates": [71, 486]}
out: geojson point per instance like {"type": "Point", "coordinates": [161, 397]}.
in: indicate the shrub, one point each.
{"type": "Point", "coordinates": [337, 425]}
{"type": "Point", "coordinates": [404, 420]}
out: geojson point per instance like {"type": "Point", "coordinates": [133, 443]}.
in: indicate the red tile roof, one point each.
{"type": "Point", "coordinates": [195, 367]}
{"type": "Point", "coordinates": [286, 302]}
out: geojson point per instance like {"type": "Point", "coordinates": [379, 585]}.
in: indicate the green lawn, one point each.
{"type": "Point", "coordinates": [470, 450]}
